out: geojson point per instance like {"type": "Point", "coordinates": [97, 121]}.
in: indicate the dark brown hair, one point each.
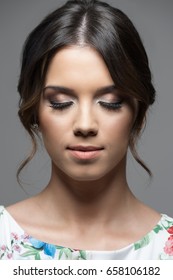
{"type": "Point", "coordinates": [111, 33]}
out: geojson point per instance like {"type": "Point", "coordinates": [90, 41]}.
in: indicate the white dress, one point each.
{"type": "Point", "coordinates": [16, 244]}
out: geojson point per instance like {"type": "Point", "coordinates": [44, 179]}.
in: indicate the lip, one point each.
{"type": "Point", "coordinates": [85, 152]}
{"type": "Point", "coordinates": [84, 148]}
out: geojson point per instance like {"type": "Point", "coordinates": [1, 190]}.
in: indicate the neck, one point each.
{"type": "Point", "coordinates": [84, 202]}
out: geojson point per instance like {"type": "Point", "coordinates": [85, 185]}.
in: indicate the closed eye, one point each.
{"type": "Point", "coordinates": [107, 105]}
{"type": "Point", "coordinates": [111, 105]}
{"type": "Point", "coordinates": [60, 105]}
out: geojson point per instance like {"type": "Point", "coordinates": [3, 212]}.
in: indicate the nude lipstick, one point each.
{"type": "Point", "coordinates": [85, 152]}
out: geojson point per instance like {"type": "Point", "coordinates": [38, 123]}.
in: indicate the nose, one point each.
{"type": "Point", "coordinates": [85, 124]}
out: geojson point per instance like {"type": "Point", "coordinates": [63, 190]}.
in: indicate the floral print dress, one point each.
{"type": "Point", "coordinates": [15, 244]}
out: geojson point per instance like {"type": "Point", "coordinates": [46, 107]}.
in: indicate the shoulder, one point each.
{"type": "Point", "coordinates": [157, 244]}
{"type": "Point", "coordinates": [166, 224]}
{"type": "Point", "coordinates": [17, 209]}
{"type": "Point", "coordinates": [12, 219]}
{"type": "Point", "coordinates": [9, 231]}
{"type": "Point", "coordinates": [22, 211]}
{"type": "Point", "coordinates": [7, 224]}
{"type": "Point", "coordinates": [164, 237]}
{"type": "Point", "coordinates": [4, 219]}
{"type": "Point", "coordinates": [13, 235]}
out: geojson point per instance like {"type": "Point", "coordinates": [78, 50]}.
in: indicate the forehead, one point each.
{"type": "Point", "coordinates": [77, 66]}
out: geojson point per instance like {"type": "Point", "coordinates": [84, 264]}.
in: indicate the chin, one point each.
{"type": "Point", "coordinates": [88, 176]}
{"type": "Point", "coordinates": [85, 178]}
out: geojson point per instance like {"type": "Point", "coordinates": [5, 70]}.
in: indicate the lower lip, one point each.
{"type": "Point", "coordinates": [85, 154]}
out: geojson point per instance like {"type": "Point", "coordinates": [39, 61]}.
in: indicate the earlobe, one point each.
{"type": "Point", "coordinates": [36, 127]}
{"type": "Point", "coordinates": [35, 124]}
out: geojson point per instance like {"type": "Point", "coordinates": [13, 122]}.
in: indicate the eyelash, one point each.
{"type": "Point", "coordinates": [60, 105]}
{"type": "Point", "coordinates": [111, 106]}
{"type": "Point", "coordinates": [108, 106]}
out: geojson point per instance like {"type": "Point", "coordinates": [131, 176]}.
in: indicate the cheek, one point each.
{"type": "Point", "coordinates": [117, 133]}
{"type": "Point", "coordinates": [53, 129]}
{"type": "Point", "coordinates": [119, 129]}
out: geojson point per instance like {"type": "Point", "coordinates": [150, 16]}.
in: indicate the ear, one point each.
{"type": "Point", "coordinates": [36, 128]}
{"type": "Point", "coordinates": [35, 125]}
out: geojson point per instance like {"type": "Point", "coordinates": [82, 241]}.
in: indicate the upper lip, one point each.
{"type": "Point", "coordinates": [84, 148]}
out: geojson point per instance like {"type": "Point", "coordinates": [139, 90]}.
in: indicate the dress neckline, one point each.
{"type": "Point", "coordinates": [121, 250]}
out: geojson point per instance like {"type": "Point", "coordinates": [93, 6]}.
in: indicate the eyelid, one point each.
{"type": "Point", "coordinates": [111, 100]}
{"type": "Point", "coordinates": [60, 105]}
{"type": "Point", "coordinates": [109, 97]}
{"type": "Point", "coordinates": [55, 91]}
{"type": "Point", "coordinates": [58, 97]}
{"type": "Point", "coordinates": [113, 106]}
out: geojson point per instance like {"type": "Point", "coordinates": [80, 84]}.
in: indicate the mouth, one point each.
{"type": "Point", "coordinates": [84, 148]}
{"type": "Point", "coordinates": [85, 152]}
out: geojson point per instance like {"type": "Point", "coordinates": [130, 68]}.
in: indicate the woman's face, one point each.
{"type": "Point", "coordinates": [84, 119]}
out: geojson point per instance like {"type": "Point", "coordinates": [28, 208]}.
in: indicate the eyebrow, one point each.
{"type": "Point", "coordinates": [106, 89]}
{"type": "Point", "coordinates": [68, 91]}
{"type": "Point", "coordinates": [60, 89]}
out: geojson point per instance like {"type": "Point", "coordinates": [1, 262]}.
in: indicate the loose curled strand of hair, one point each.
{"type": "Point", "coordinates": [28, 159]}
{"type": "Point", "coordinates": [132, 145]}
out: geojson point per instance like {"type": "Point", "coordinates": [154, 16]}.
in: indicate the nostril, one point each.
{"type": "Point", "coordinates": [93, 133]}
{"type": "Point", "coordinates": [85, 133]}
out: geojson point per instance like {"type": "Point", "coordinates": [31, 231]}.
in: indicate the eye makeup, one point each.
{"type": "Point", "coordinates": [64, 105]}
{"type": "Point", "coordinates": [60, 105]}
{"type": "Point", "coordinates": [49, 90]}
{"type": "Point", "coordinates": [60, 98]}
{"type": "Point", "coordinates": [111, 105]}
{"type": "Point", "coordinates": [111, 101]}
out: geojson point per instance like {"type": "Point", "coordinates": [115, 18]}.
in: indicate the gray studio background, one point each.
{"type": "Point", "coordinates": [154, 21]}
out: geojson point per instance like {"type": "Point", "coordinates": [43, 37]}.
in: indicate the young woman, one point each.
{"type": "Point", "coordinates": [85, 87]}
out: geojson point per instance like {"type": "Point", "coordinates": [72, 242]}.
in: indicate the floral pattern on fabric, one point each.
{"type": "Point", "coordinates": [168, 249]}
{"type": "Point", "coordinates": [37, 247]}
{"type": "Point", "coordinates": [7, 252]}
{"type": "Point", "coordinates": [27, 246]}
{"type": "Point", "coordinates": [16, 244]}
